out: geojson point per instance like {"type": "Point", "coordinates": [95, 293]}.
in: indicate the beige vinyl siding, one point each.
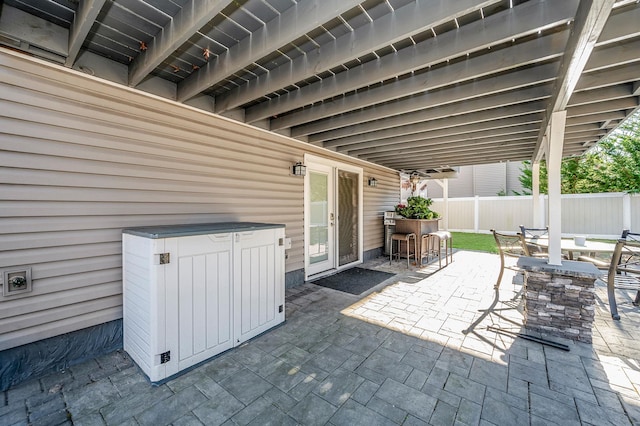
{"type": "Point", "coordinates": [485, 180]}
{"type": "Point", "coordinates": [81, 159]}
{"type": "Point", "coordinates": [514, 171]}
{"type": "Point", "coordinates": [489, 179]}
{"type": "Point", "coordinates": [462, 186]}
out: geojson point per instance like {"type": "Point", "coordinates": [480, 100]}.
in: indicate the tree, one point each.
{"type": "Point", "coordinates": [526, 178]}
{"type": "Point", "coordinates": [621, 155]}
{"type": "Point", "coordinates": [611, 166]}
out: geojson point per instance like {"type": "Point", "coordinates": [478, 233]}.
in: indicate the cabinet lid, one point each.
{"type": "Point", "coordinates": [169, 231]}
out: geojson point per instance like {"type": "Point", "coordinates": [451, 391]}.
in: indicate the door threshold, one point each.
{"type": "Point", "coordinates": [322, 274]}
{"type": "Point", "coordinates": [333, 271]}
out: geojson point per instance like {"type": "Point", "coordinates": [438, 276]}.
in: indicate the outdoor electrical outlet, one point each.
{"type": "Point", "coordinates": [16, 281]}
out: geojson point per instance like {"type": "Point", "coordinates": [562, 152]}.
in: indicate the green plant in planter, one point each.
{"type": "Point", "coordinates": [417, 208]}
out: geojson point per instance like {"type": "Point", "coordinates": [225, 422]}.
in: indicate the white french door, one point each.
{"type": "Point", "coordinates": [321, 219]}
{"type": "Point", "coordinates": [333, 216]}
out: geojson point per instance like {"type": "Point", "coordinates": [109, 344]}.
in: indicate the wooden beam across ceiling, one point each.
{"type": "Point", "coordinates": [423, 145]}
{"type": "Point", "coordinates": [438, 131]}
{"type": "Point", "coordinates": [296, 21]}
{"type": "Point", "coordinates": [193, 16]}
{"type": "Point", "coordinates": [508, 99]}
{"type": "Point", "coordinates": [444, 122]}
{"type": "Point", "coordinates": [524, 19]}
{"type": "Point", "coordinates": [588, 23]}
{"type": "Point", "coordinates": [402, 23]}
{"type": "Point", "coordinates": [84, 18]}
{"type": "Point", "coordinates": [473, 90]}
{"type": "Point", "coordinates": [497, 61]}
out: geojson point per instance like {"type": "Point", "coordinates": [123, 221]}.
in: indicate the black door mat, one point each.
{"type": "Point", "coordinates": [354, 280]}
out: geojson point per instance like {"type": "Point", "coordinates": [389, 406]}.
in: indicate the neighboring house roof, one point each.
{"type": "Point", "coordinates": [405, 84]}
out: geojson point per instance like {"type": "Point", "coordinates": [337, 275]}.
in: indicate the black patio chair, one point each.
{"type": "Point", "coordinates": [510, 246]}
{"type": "Point", "coordinates": [624, 270]}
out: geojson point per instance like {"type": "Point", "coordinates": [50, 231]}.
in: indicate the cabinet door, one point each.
{"type": "Point", "coordinates": [199, 298]}
{"type": "Point", "coordinates": [258, 282]}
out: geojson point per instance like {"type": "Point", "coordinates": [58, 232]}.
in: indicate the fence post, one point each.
{"type": "Point", "coordinates": [626, 211]}
{"type": "Point", "coordinates": [476, 214]}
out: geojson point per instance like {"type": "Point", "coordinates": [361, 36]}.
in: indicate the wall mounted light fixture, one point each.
{"type": "Point", "coordinates": [372, 182]}
{"type": "Point", "coordinates": [299, 169]}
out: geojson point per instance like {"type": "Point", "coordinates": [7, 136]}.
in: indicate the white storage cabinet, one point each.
{"type": "Point", "coordinates": [193, 291]}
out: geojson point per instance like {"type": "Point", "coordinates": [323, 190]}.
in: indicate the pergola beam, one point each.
{"type": "Point", "coordinates": [612, 56]}
{"type": "Point", "coordinates": [519, 21]}
{"type": "Point", "coordinates": [595, 118]}
{"type": "Point", "coordinates": [459, 108]}
{"type": "Point", "coordinates": [466, 138]}
{"type": "Point", "coordinates": [477, 157]}
{"type": "Point", "coordinates": [518, 146]}
{"type": "Point", "coordinates": [293, 23]}
{"type": "Point", "coordinates": [402, 23]}
{"type": "Point", "coordinates": [464, 130]}
{"type": "Point", "coordinates": [609, 93]}
{"type": "Point", "coordinates": [470, 162]}
{"type": "Point", "coordinates": [588, 23]}
{"type": "Point", "coordinates": [464, 92]}
{"type": "Point", "coordinates": [475, 117]}
{"type": "Point", "coordinates": [85, 16]}
{"type": "Point", "coordinates": [581, 128]}
{"type": "Point", "coordinates": [622, 25]}
{"type": "Point", "coordinates": [624, 74]}
{"type": "Point", "coordinates": [433, 147]}
{"type": "Point", "coordinates": [498, 61]}
{"type": "Point", "coordinates": [193, 16]}
{"type": "Point", "coordinates": [607, 106]}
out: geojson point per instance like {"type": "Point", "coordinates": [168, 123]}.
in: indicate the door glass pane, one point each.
{"type": "Point", "coordinates": [348, 196]}
{"type": "Point", "coordinates": [319, 229]}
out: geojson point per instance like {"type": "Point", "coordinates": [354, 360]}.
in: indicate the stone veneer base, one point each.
{"type": "Point", "coordinates": [559, 300]}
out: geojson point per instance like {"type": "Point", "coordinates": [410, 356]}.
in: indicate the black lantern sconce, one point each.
{"type": "Point", "coordinates": [299, 169]}
{"type": "Point", "coordinates": [373, 182]}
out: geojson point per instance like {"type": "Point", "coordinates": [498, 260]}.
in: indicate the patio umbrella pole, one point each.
{"type": "Point", "coordinates": [530, 337]}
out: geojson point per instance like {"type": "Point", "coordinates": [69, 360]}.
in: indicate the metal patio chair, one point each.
{"type": "Point", "coordinates": [624, 270]}
{"type": "Point", "coordinates": [535, 250]}
{"type": "Point", "coordinates": [510, 246]}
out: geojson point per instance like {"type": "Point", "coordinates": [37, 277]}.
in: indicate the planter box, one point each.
{"type": "Point", "coordinates": [419, 227]}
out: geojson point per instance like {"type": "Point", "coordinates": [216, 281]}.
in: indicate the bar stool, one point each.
{"type": "Point", "coordinates": [445, 237]}
{"type": "Point", "coordinates": [428, 247]}
{"type": "Point", "coordinates": [407, 239]}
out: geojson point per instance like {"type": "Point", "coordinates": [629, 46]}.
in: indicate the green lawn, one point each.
{"type": "Point", "coordinates": [478, 242]}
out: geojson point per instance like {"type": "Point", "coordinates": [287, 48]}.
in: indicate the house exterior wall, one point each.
{"type": "Point", "coordinates": [489, 179]}
{"type": "Point", "coordinates": [514, 171]}
{"type": "Point", "coordinates": [81, 159]}
{"type": "Point", "coordinates": [485, 180]}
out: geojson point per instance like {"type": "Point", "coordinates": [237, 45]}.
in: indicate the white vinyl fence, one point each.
{"type": "Point", "coordinates": [595, 215]}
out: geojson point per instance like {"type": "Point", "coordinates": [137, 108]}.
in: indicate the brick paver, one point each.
{"type": "Point", "coordinates": [413, 351]}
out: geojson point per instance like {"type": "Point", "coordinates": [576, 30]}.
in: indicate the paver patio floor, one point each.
{"type": "Point", "coordinates": [415, 350]}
